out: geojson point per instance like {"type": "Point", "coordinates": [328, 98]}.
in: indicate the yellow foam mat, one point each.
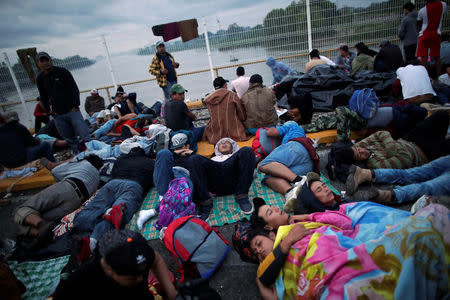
{"type": "Point", "coordinates": [195, 104]}
{"type": "Point", "coordinates": [41, 178]}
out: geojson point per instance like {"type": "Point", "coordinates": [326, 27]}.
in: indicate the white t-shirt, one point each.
{"type": "Point", "coordinates": [445, 79]}
{"type": "Point", "coordinates": [240, 85]}
{"type": "Point", "coordinates": [327, 60]}
{"type": "Point", "coordinates": [414, 81]}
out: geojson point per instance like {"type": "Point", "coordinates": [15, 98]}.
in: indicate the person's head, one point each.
{"type": "Point", "coordinates": [320, 190]}
{"type": "Point", "coordinates": [445, 37]}
{"type": "Point", "coordinates": [314, 54]}
{"type": "Point", "coordinates": [44, 61]}
{"type": "Point", "coordinates": [360, 154]}
{"type": "Point", "coordinates": [179, 141]}
{"type": "Point", "coordinates": [94, 92]}
{"type": "Point", "coordinates": [11, 117]}
{"type": "Point", "coordinates": [270, 61]}
{"type": "Point", "coordinates": [38, 98]}
{"type": "Point", "coordinates": [267, 216]}
{"type": "Point", "coordinates": [343, 50]}
{"type": "Point", "coordinates": [177, 92]}
{"type": "Point", "coordinates": [384, 43]}
{"type": "Point", "coordinates": [256, 78]}
{"type": "Point", "coordinates": [160, 47]}
{"type": "Point", "coordinates": [261, 242]}
{"type": "Point", "coordinates": [126, 256]}
{"type": "Point", "coordinates": [240, 71]}
{"type": "Point", "coordinates": [361, 48]}
{"type": "Point", "coordinates": [94, 160]}
{"type": "Point", "coordinates": [225, 147]}
{"type": "Point", "coordinates": [408, 7]}
{"type": "Point", "coordinates": [219, 83]}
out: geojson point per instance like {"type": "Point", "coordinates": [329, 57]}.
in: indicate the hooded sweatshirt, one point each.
{"type": "Point", "coordinates": [279, 69]}
{"type": "Point", "coordinates": [219, 156]}
{"type": "Point", "coordinates": [226, 115]}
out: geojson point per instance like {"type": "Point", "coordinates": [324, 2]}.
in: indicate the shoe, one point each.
{"type": "Point", "coordinates": [45, 231]}
{"type": "Point", "coordinates": [204, 211]}
{"type": "Point", "coordinates": [115, 215]}
{"type": "Point", "coordinates": [419, 204]}
{"type": "Point", "coordinates": [82, 249]}
{"type": "Point", "coordinates": [355, 177]}
{"type": "Point", "coordinates": [245, 205]}
{"type": "Point", "coordinates": [381, 196]}
{"type": "Point", "coordinates": [292, 194]}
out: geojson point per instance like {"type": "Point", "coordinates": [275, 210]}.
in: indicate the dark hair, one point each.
{"type": "Point", "coordinates": [445, 37]}
{"type": "Point", "coordinates": [314, 53]}
{"type": "Point", "coordinates": [256, 230]}
{"type": "Point", "coordinates": [303, 101]}
{"type": "Point", "coordinates": [345, 155]}
{"type": "Point", "coordinates": [240, 71]}
{"type": "Point", "coordinates": [409, 6]}
{"type": "Point", "coordinates": [141, 122]}
{"type": "Point", "coordinates": [94, 160]}
{"type": "Point", "coordinates": [344, 48]}
{"type": "Point", "coordinates": [255, 219]}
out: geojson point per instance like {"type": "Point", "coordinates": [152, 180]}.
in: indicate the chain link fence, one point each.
{"type": "Point", "coordinates": [281, 33]}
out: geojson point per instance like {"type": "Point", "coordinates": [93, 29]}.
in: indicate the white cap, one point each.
{"type": "Point", "coordinates": [94, 91]}
{"type": "Point", "coordinates": [101, 114]}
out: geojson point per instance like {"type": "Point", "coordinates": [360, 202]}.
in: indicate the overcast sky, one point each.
{"type": "Point", "coordinates": [74, 26]}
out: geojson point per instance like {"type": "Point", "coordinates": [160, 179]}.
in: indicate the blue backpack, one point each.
{"type": "Point", "coordinates": [365, 102]}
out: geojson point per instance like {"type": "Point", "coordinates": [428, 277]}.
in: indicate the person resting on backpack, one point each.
{"type": "Point", "coordinates": [425, 142]}
{"type": "Point", "coordinates": [285, 165]}
{"type": "Point", "coordinates": [229, 172]}
{"type": "Point", "coordinates": [125, 127]}
{"type": "Point", "coordinates": [337, 253]}
{"type": "Point", "coordinates": [118, 270]}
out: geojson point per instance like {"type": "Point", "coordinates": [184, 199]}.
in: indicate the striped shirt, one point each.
{"type": "Point", "coordinates": [388, 153]}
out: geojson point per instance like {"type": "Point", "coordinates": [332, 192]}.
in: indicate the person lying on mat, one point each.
{"type": "Point", "coordinates": [119, 270]}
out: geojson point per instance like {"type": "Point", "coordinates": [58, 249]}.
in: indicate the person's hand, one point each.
{"type": "Point", "coordinates": [51, 113]}
{"type": "Point", "coordinates": [297, 232]}
{"type": "Point", "coordinates": [294, 114]}
{"type": "Point", "coordinates": [340, 66]}
{"type": "Point", "coordinates": [164, 71]}
{"type": "Point", "coordinates": [298, 218]}
{"type": "Point", "coordinates": [176, 65]}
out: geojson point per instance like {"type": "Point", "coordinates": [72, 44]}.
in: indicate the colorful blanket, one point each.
{"type": "Point", "coordinates": [40, 277]}
{"type": "Point", "coordinates": [369, 251]}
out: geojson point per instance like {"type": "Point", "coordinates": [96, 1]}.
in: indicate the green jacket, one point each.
{"type": "Point", "coordinates": [362, 62]}
{"type": "Point", "coordinates": [388, 153]}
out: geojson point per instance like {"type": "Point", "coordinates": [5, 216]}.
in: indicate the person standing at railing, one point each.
{"type": "Point", "coordinates": [408, 31]}
{"type": "Point", "coordinates": [163, 67]}
{"type": "Point", "coordinates": [61, 98]}
{"type": "Point", "coordinates": [241, 83]}
{"type": "Point", "coordinates": [93, 105]}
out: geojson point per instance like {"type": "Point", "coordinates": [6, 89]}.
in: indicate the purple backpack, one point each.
{"type": "Point", "coordinates": [176, 203]}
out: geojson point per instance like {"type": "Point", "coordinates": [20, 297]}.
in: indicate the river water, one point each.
{"type": "Point", "coordinates": [134, 67]}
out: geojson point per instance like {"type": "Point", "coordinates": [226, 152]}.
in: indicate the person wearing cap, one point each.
{"type": "Point", "coordinates": [94, 103]}
{"type": "Point", "coordinates": [19, 146]}
{"type": "Point", "coordinates": [345, 58]}
{"type": "Point", "coordinates": [259, 103]}
{"type": "Point", "coordinates": [163, 68]}
{"type": "Point", "coordinates": [363, 60]}
{"type": "Point", "coordinates": [61, 98]}
{"type": "Point", "coordinates": [389, 59]}
{"type": "Point", "coordinates": [116, 202]}
{"type": "Point", "coordinates": [226, 114]}
{"type": "Point", "coordinates": [177, 115]}
{"type": "Point", "coordinates": [315, 60]}
{"type": "Point", "coordinates": [240, 85]}
{"type": "Point", "coordinates": [119, 270]}
{"type": "Point", "coordinates": [408, 31]}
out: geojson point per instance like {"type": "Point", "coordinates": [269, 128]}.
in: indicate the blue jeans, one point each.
{"type": "Point", "coordinates": [432, 179]}
{"type": "Point", "coordinates": [293, 155]}
{"type": "Point", "coordinates": [443, 95]}
{"type": "Point", "coordinates": [93, 118]}
{"type": "Point", "coordinates": [166, 89]}
{"type": "Point", "coordinates": [165, 172]}
{"type": "Point", "coordinates": [90, 218]}
{"type": "Point", "coordinates": [70, 125]}
{"type": "Point", "coordinates": [42, 150]}
{"type": "Point", "coordinates": [104, 129]}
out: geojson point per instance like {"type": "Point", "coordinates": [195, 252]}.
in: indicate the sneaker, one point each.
{"type": "Point", "coordinates": [115, 215]}
{"type": "Point", "coordinates": [245, 205]}
{"type": "Point", "coordinates": [292, 194]}
{"type": "Point", "coordinates": [420, 203]}
{"type": "Point", "coordinates": [204, 211]}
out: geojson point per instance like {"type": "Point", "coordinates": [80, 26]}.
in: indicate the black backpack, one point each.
{"type": "Point", "coordinates": [336, 169]}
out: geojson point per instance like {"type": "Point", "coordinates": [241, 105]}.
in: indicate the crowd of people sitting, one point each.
{"type": "Point", "coordinates": [313, 245]}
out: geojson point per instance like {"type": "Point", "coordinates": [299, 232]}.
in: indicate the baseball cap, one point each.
{"type": "Point", "coordinates": [177, 89]}
{"type": "Point", "coordinates": [219, 82]}
{"type": "Point", "coordinates": [256, 78]}
{"type": "Point", "coordinates": [159, 43]}
{"type": "Point", "coordinates": [178, 140]}
{"type": "Point", "coordinates": [10, 116]}
{"type": "Point", "coordinates": [42, 54]}
{"type": "Point", "coordinates": [94, 91]}
{"type": "Point", "coordinates": [101, 114]}
{"type": "Point", "coordinates": [126, 252]}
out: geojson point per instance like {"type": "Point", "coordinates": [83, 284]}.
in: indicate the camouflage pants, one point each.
{"type": "Point", "coordinates": [343, 120]}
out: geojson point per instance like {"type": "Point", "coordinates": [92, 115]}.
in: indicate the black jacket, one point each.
{"type": "Point", "coordinates": [14, 138]}
{"type": "Point", "coordinates": [58, 90]}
